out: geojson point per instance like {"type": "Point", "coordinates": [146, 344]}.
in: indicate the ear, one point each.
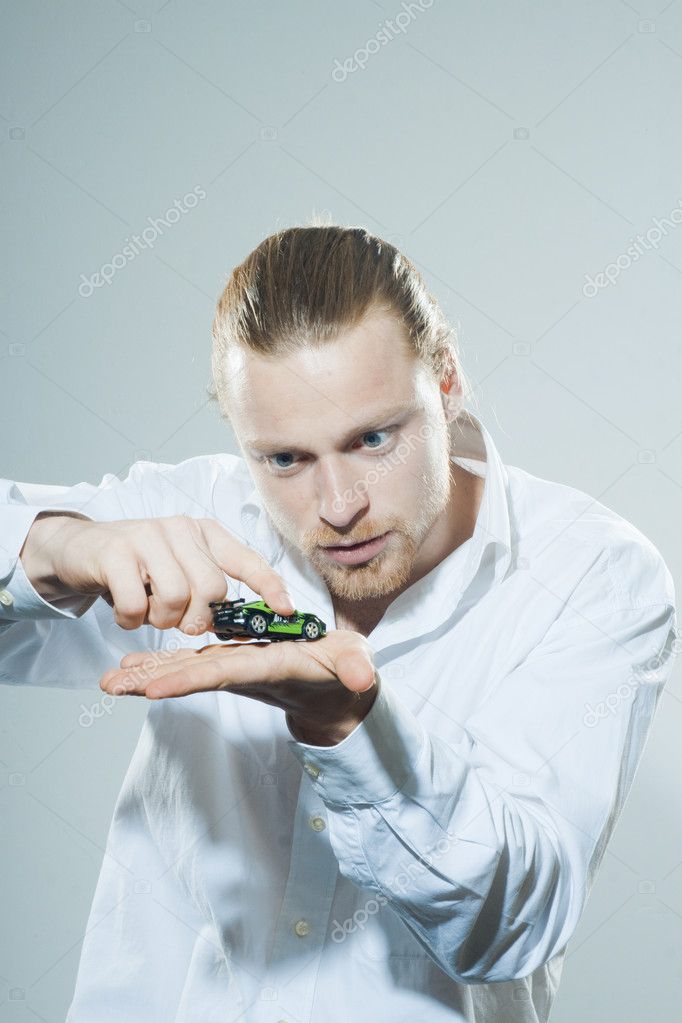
{"type": "Point", "coordinates": [451, 389]}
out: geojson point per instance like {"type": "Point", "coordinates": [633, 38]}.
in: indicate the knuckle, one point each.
{"type": "Point", "coordinates": [204, 595]}
{"type": "Point", "coordinates": [195, 624]}
{"type": "Point", "coordinates": [259, 567]}
{"type": "Point", "coordinates": [128, 621]}
{"type": "Point", "coordinates": [174, 600]}
{"type": "Point", "coordinates": [160, 618]}
{"type": "Point", "coordinates": [132, 605]}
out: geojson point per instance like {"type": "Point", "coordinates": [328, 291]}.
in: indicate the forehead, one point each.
{"type": "Point", "coordinates": [334, 385]}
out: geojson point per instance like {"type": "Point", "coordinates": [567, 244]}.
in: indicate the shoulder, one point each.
{"type": "Point", "coordinates": [192, 486]}
{"type": "Point", "coordinates": [575, 528]}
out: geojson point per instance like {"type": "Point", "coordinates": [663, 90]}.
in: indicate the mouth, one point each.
{"type": "Point", "coordinates": [353, 554]}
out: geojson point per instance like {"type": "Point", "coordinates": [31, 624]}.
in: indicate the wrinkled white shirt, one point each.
{"type": "Point", "coordinates": [431, 866]}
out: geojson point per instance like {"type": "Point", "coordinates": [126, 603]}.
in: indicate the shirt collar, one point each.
{"type": "Point", "coordinates": [432, 599]}
{"type": "Point", "coordinates": [472, 441]}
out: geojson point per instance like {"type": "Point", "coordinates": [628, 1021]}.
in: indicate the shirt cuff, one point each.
{"type": "Point", "coordinates": [24, 601]}
{"type": "Point", "coordinates": [374, 761]}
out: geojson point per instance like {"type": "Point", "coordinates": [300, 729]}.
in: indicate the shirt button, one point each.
{"type": "Point", "coordinates": [317, 823]}
{"type": "Point", "coordinates": [311, 769]}
{"type": "Point", "coordinates": [302, 927]}
{"type": "Point", "coordinates": [6, 598]}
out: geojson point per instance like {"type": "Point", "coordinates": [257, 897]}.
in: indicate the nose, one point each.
{"type": "Point", "coordinates": [340, 493]}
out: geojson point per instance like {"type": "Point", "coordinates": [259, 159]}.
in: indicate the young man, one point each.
{"type": "Point", "coordinates": [404, 818]}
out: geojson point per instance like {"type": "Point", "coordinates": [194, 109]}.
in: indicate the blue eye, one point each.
{"type": "Point", "coordinates": [374, 433]}
{"type": "Point", "coordinates": [283, 454]}
{"type": "Point", "coordinates": [290, 458]}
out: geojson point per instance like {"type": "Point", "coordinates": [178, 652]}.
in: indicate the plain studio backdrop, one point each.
{"type": "Point", "coordinates": [524, 155]}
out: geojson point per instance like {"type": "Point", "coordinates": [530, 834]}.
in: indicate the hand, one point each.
{"type": "Point", "coordinates": [161, 571]}
{"type": "Point", "coordinates": [326, 686]}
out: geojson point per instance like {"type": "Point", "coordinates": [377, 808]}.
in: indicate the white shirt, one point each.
{"type": "Point", "coordinates": [449, 841]}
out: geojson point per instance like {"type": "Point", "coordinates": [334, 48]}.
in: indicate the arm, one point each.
{"type": "Point", "coordinates": [69, 640]}
{"type": "Point", "coordinates": [486, 846]}
{"type": "Point", "coordinates": [36, 569]}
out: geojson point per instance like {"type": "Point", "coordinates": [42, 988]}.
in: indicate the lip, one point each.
{"type": "Point", "coordinates": [356, 555]}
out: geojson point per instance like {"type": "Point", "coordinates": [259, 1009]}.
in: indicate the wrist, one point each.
{"type": "Point", "coordinates": [37, 553]}
{"type": "Point", "coordinates": [331, 734]}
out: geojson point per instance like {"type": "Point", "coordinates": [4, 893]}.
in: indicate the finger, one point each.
{"type": "Point", "coordinates": [138, 670]}
{"type": "Point", "coordinates": [206, 579]}
{"type": "Point", "coordinates": [128, 594]}
{"type": "Point", "coordinates": [348, 656]}
{"type": "Point", "coordinates": [241, 562]}
{"type": "Point", "coordinates": [170, 592]}
{"type": "Point", "coordinates": [117, 683]}
{"type": "Point", "coordinates": [140, 658]}
{"type": "Point", "coordinates": [355, 669]}
{"type": "Point", "coordinates": [133, 677]}
{"type": "Point", "coordinates": [207, 674]}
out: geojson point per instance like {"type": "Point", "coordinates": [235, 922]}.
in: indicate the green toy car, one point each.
{"type": "Point", "coordinates": [237, 618]}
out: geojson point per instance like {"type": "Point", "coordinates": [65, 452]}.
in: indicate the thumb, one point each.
{"type": "Point", "coordinates": [355, 670]}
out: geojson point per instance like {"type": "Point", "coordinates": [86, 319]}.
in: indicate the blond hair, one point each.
{"type": "Point", "coordinates": [303, 285]}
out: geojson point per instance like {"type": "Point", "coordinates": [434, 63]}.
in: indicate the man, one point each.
{"type": "Point", "coordinates": [403, 819]}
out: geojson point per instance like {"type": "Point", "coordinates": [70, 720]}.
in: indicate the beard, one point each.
{"type": "Point", "coordinates": [391, 569]}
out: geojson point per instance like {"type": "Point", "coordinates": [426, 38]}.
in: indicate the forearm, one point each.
{"type": "Point", "coordinates": [475, 876]}
{"type": "Point", "coordinates": [491, 898]}
{"type": "Point", "coordinates": [484, 834]}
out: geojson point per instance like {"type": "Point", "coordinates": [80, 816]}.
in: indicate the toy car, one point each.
{"type": "Point", "coordinates": [236, 618]}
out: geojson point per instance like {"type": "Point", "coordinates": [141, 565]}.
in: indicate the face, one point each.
{"type": "Point", "coordinates": [348, 442]}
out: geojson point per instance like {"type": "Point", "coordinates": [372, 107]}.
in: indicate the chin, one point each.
{"type": "Point", "coordinates": [376, 579]}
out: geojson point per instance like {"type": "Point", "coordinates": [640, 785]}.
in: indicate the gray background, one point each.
{"type": "Point", "coordinates": [510, 148]}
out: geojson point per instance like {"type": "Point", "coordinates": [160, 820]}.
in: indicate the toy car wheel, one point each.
{"type": "Point", "coordinates": [258, 624]}
{"type": "Point", "coordinates": [311, 629]}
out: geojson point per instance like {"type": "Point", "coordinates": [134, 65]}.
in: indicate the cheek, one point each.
{"type": "Point", "coordinates": [433, 453]}
{"type": "Point", "coordinates": [288, 501]}
{"type": "Point", "coordinates": [396, 481]}
{"type": "Point", "coordinates": [415, 469]}
{"type": "Point", "coordinates": [411, 461]}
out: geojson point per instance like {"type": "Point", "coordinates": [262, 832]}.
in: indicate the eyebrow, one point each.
{"type": "Point", "coordinates": [379, 418]}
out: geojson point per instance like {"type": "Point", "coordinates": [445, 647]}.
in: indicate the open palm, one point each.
{"type": "Point", "coordinates": [316, 683]}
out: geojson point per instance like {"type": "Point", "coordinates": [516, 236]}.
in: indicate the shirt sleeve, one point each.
{"type": "Point", "coordinates": [486, 846]}
{"type": "Point", "coordinates": [19, 600]}
{"type": "Point", "coordinates": [71, 641]}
